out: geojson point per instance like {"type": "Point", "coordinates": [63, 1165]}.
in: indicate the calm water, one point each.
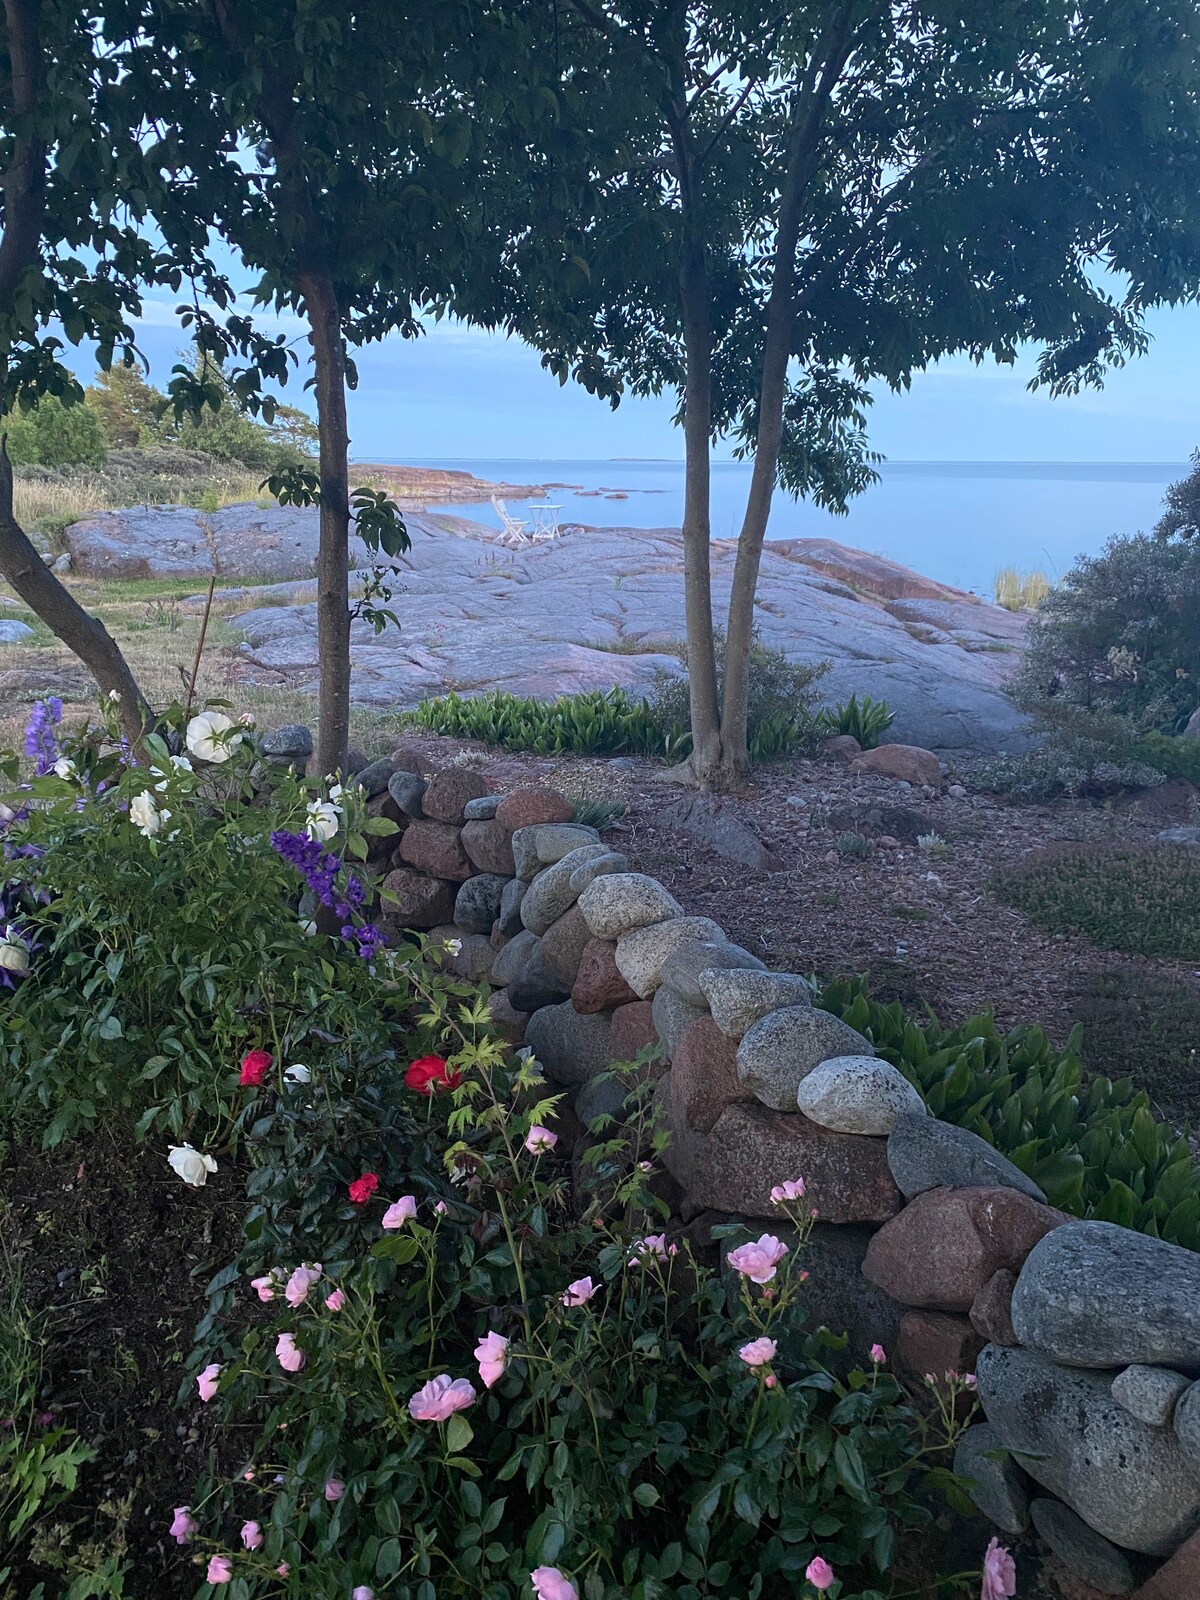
{"type": "Point", "coordinates": [955, 521]}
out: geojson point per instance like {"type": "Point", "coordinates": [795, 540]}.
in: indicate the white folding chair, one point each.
{"type": "Point", "coordinates": [514, 529]}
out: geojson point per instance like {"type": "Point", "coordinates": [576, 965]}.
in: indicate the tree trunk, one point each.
{"type": "Point", "coordinates": [333, 555]}
{"type": "Point", "coordinates": [58, 608]}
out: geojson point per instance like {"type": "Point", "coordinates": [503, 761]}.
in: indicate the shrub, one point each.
{"type": "Point", "coordinates": [586, 724]}
{"type": "Point", "coordinates": [867, 721]}
{"type": "Point", "coordinates": [1141, 899]}
{"type": "Point", "coordinates": [1181, 514]}
{"type": "Point", "coordinates": [52, 434]}
{"type": "Point", "coordinates": [1094, 1146]}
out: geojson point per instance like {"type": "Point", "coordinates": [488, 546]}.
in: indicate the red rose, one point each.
{"type": "Point", "coordinates": [255, 1066]}
{"type": "Point", "coordinates": [363, 1188]}
{"type": "Point", "coordinates": [429, 1074]}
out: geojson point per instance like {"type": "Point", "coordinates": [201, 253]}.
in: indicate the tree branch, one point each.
{"type": "Point", "coordinates": [24, 184]}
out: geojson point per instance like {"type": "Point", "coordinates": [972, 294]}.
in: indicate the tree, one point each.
{"type": "Point", "coordinates": [52, 434]}
{"type": "Point", "coordinates": [831, 193]}
{"type": "Point", "coordinates": [128, 407]}
{"type": "Point", "coordinates": [1181, 517]}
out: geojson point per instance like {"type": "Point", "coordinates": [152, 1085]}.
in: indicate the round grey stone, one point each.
{"type": "Point", "coordinates": [779, 1051]}
{"type": "Point", "coordinates": [14, 632]}
{"type": "Point", "coordinates": [373, 778]}
{"type": "Point", "coordinates": [407, 790]}
{"type": "Point", "coordinates": [997, 1486]}
{"type": "Point", "coordinates": [510, 907]}
{"type": "Point", "coordinates": [598, 867]}
{"type": "Point", "coordinates": [1129, 1482]}
{"type": "Point", "coordinates": [1087, 1554]}
{"type": "Point", "coordinates": [682, 969]}
{"type": "Point", "coordinates": [1187, 1426]}
{"type": "Point", "coordinates": [642, 952]}
{"type": "Point", "coordinates": [1096, 1295]}
{"type": "Point", "coordinates": [857, 1094]}
{"type": "Point", "coordinates": [570, 1047]}
{"type": "Point", "coordinates": [535, 985]}
{"type": "Point", "coordinates": [1149, 1393]}
{"type": "Point", "coordinates": [550, 894]}
{"type": "Point", "coordinates": [672, 1017]}
{"type": "Point", "coordinates": [737, 998]}
{"type": "Point", "coordinates": [602, 1096]}
{"type": "Point", "coordinates": [620, 902]}
{"type": "Point", "coordinates": [483, 808]}
{"type": "Point", "coordinates": [477, 904]}
{"type": "Point", "coordinates": [292, 741]}
{"type": "Point", "coordinates": [924, 1153]}
{"type": "Point", "coordinates": [554, 840]}
{"type": "Point", "coordinates": [513, 957]}
{"type": "Point", "coordinates": [62, 563]}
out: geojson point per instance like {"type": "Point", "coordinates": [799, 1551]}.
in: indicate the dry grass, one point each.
{"type": "Point", "coordinates": [1021, 591]}
{"type": "Point", "coordinates": [35, 501]}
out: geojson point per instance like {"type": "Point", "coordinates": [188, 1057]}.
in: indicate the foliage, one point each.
{"type": "Point", "coordinates": [1181, 516]}
{"type": "Point", "coordinates": [1021, 591]}
{"type": "Point", "coordinates": [1145, 1025]}
{"type": "Point", "coordinates": [1144, 900]}
{"type": "Point", "coordinates": [127, 406]}
{"type": "Point", "coordinates": [159, 475]}
{"type": "Point", "coordinates": [153, 962]}
{"type": "Point", "coordinates": [593, 812]}
{"type": "Point", "coordinates": [52, 434]}
{"type": "Point", "coordinates": [780, 698]}
{"type": "Point", "coordinates": [853, 846]}
{"type": "Point", "coordinates": [592, 723]}
{"type": "Point", "coordinates": [225, 430]}
{"type": "Point", "coordinates": [1173, 756]}
{"type": "Point", "coordinates": [624, 1441]}
{"type": "Point", "coordinates": [1092, 1144]}
{"type": "Point", "coordinates": [867, 721]}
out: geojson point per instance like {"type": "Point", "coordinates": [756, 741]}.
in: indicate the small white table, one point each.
{"type": "Point", "coordinates": [544, 518]}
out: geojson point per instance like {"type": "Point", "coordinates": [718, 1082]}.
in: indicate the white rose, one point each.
{"type": "Point", "coordinates": [191, 1165]}
{"type": "Point", "coordinates": [181, 764]}
{"type": "Point", "coordinates": [145, 815]}
{"type": "Point", "coordinates": [323, 819]}
{"type": "Point", "coordinates": [209, 736]}
{"type": "Point", "coordinates": [13, 956]}
{"type": "Point", "coordinates": [308, 926]}
{"type": "Point", "coordinates": [297, 1073]}
{"type": "Point", "coordinates": [64, 767]}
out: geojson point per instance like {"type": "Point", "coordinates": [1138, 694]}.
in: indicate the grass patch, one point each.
{"type": "Point", "coordinates": [1021, 591]}
{"type": "Point", "coordinates": [1145, 1027]}
{"type": "Point", "coordinates": [1142, 900]}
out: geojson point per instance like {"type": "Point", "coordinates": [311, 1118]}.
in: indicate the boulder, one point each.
{"type": "Point", "coordinates": [1096, 1295]}
{"type": "Point", "coordinates": [1085, 1553]}
{"type": "Point", "coordinates": [1127, 1481]}
{"type": "Point", "coordinates": [925, 1153]}
{"type": "Point", "coordinates": [1192, 731]}
{"type": "Point", "coordinates": [513, 957]}
{"type": "Point", "coordinates": [737, 999]}
{"type": "Point", "coordinates": [1150, 1394]}
{"type": "Point", "coordinates": [619, 902]}
{"type": "Point", "coordinates": [779, 1050]}
{"type": "Point", "coordinates": [842, 746]}
{"type": "Point", "coordinates": [998, 1487]}
{"type": "Point", "coordinates": [672, 1018]}
{"type": "Point", "coordinates": [905, 763]}
{"type": "Point", "coordinates": [563, 945]}
{"type": "Point", "coordinates": [473, 959]}
{"type": "Point", "coordinates": [420, 901]}
{"type": "Point", "coordinates": [642, 952]}
{"type": "Point", "coordinates": [550, 894]}
{"type": "Point", "coordinates": [599, 867]}
{"type": "Point", "coordinates": [526, 806]}
{"type": "Point", "coordinates": [13, 631]}
{"type": "Point", "coordinates": [524, 849]}
{"type": "Point", "coordinates": [712, 824]}
{"type": "Point", "coordinates": [477, 904]}
{"type": "Point", "coordinates": [901, 824]}
{"type": "Point", "coordinates": [449, 790]}
{"type": "Point", "coordinates": [991, 1309]}
{"type": "Point", "coordinates": [407, 790]}
{"type": "Point", "coordinates": [682, 968]}
{"type": "Point", "coordinates": [935, 1342]}
{"type": "Point", "coordinates": [489, 847]}
{"type": "Point", "coordinates": [857, 1094]}
{"type": "Point", "coordinates": [435, 848]}
{"type": "Point", "coordinates": [510, 907]}
{"type": "Point", "coordinates": [408, 757]}
{"type": "Point", "coordinates": [535, 985]}
{"type": "Point", "coordinates": [509, 1023]}
{"type": "Point", "coordinates": [750, 1150]}
{"type": "Point", "coordinates": [704, 1076]}
{"type": "Point", "coordinates": [602, 1096]}
{"type": "Point", "coordinates": [292, 742]}
{"type": "Point", "coordinates": [482, 808]}
{"type": "Point", "coordinates": [598, 984]}
{"type": "Point", "coordinates": [570, 1048]}
{"type": "Point", "coordinates": [373, 778]}
{"type": "Point", "coordinates": [945, 1245]}
{"type": "Point", "coordinates": [1178, 1578]}
{"type": "Point", "coordinates": [554, 840]}
{"type": "Point", "coordinates": [1187, 1426]}
{"type": "Point", "coordinates": [632, 1030]}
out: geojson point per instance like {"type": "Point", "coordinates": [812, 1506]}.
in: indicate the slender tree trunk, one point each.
{"type": "Point", "coordinates": [333, 555]}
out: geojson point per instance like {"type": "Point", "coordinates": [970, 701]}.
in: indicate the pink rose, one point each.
{"type": "Point", "coordinates": [878, 1354]}
{"type": "Point", "coordinates": [758, 1261]}
{"type": "Point", "coordinates": [209, 1380]}
{"type": "Point", "coordinates": [793, 1189]}
{"type": "Point", "coordinates": [300, 1282]}
{"type": "Point", "coordinates": [283, 1569]}
{"type": "Point", "coordinates": [334, 1489]}
{"type": "Point", "coordinates": [653, 1245]}
{"type": "Point", "coordinates": [441, 1398]}
{"type": "Point", "coordinates": [759, 1352]}
{"type": "Point", "coordinates": [492, 1355]}
{"type": "Point", "coordinates": [220, 1570]}
{"type": "Point", "coordinates": [265, 1286]}
{"type": "Point", "coordinates": [183, 1525]}
{"type": "Point", "coordinates": [999, 1573]}
{"type": "Point", "coordinates": [539, 1140]}
{"type": "Point", "coordinates": [361, 1592]}
{"type": "Point", "coordinates": [578, 1293]}
{"type": "Point", "coordinates": [550, 1584]}
{"type": "Point", "coordinates": [252, 1535]}
{"type": "Point", "coordinates": [441, 1208]}
{"type": "Point", "coordinates": [335, 1301]}
{"type": "Point", "coordinates": [819, 1573]}
{"type": "Point", "coordinates": [400, 1212]}
{"type": "Point", "coordinates": [290, 1357]}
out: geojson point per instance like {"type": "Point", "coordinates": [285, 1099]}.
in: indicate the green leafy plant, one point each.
{"type": "Point", "coordinates": [592, 723]}
{"type": "Point", "coordinates": [853, 846]}
{"type": "Point", "coordinates": [866, 720]}
{"type": "Point", "coordinates": [596, 813]}
{"type": "Point", "coordinates": [1092, 1144]}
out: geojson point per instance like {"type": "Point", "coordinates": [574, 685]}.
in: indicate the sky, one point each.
{"type": "Point", "coordinates": [460, 394]}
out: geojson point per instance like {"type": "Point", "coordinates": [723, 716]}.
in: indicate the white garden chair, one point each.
{"type": "Point", "coordinates": [514, 528]}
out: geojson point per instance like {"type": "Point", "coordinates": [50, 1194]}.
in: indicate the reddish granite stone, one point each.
{"type": "Point", "coordinates": [435, 848]}
{"type": "Point", "coordinates": [523, 807]}
{"type": "Point", "coordinates": [991, 1309]}
{"type": "Point", "coordinates": [563, 944]}
{"type": "Point", "coordinates": [421, 901]}
{"type": "Point", "coordinates": [489, 845]}
{"type": "Point", "coordinates": [907, 763]}
{"type": "Point", "coordinates": [598, 984]}
{"type": "Point", "coordinates": [935, 1341]}
{"type": "Point", "coordinates": [945, 1245]}
{"type": "Point", "coordinates": [632, 1029]}
{"type": "Point", "coordinates": [407, 758]}
{"type": "Point", "coordinates": [1178, 1578]}
{"type": "Point", "coordinates": [704, 1075]}
{"type": "Point", "coordinates": [448, 792]}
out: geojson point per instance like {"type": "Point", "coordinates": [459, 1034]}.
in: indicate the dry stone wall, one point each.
{"type": "Point", "coordinates": [1085, 1337]}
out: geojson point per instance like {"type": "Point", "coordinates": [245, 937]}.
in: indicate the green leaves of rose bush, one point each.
{"type": "Point", "coordinates": [1092, 1144]}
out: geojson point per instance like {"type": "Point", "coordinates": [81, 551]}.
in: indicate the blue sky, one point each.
{"type": "Point", "coordinates": [460, 393]}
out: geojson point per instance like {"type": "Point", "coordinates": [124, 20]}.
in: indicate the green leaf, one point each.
{"type": "Point", "coordinates": [646, 1494]}
{"type": "Point", "coordinates": [459, 1433]}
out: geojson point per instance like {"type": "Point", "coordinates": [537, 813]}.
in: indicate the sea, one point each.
{"type": "Point", "coordinates": [956, 521]}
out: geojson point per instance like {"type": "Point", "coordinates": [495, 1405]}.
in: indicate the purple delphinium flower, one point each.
{"type": "Point", "coordinates": [41, 743]}
{"type": "Point", "coordinates": [320, 868]}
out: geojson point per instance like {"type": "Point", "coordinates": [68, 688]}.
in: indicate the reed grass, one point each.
{"type": "Point", "coordinates": [1021, 591]}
